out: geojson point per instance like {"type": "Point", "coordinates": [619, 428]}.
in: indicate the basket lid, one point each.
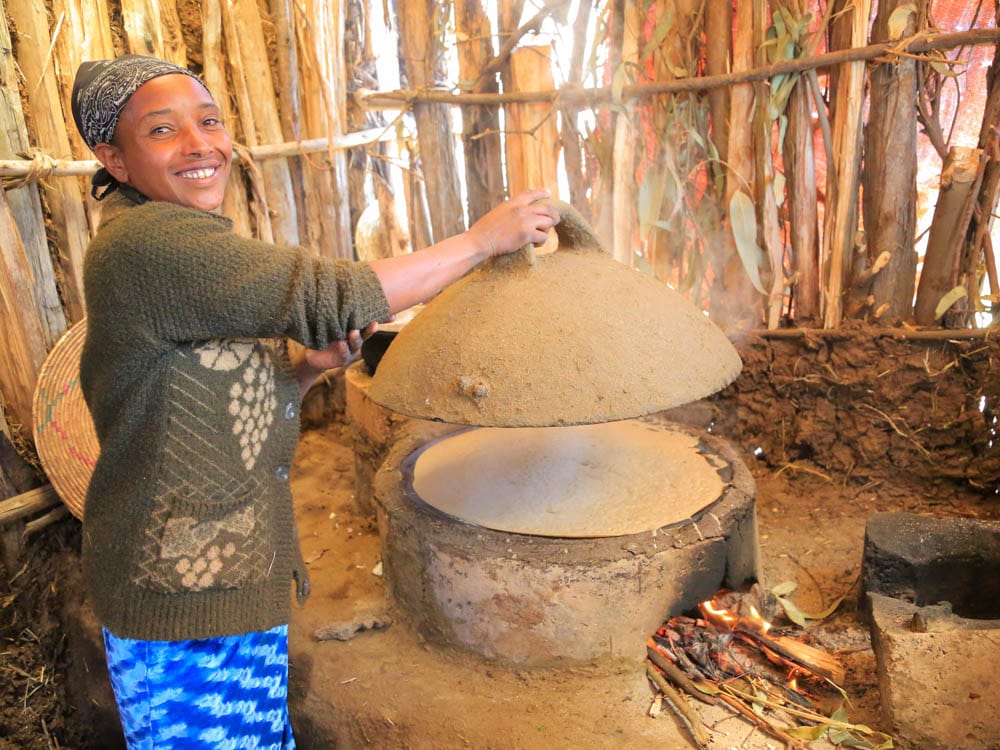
{"type": "Point", "coordinates": [562, 338]}
{"type": "Point", "coordinates": [64, 431]}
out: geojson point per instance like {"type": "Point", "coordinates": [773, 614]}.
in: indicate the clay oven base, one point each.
{"type": "Point", "coordinates": [538, 600]}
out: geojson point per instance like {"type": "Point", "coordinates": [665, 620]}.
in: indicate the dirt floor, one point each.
{"type": "Point", "coordinates": [382, 687]}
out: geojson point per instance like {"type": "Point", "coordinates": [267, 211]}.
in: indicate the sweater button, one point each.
{"type": "Point", "coordinates": [291, 410]}
{"type": "Point", "coordinates": [282, 473]}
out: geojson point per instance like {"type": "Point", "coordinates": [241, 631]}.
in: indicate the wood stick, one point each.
{"type": "Point", "coordinates": [813, 659]}
{"type": "Point", "coordinates": [676, 676]}
{"type": "Point", "coordinates": [575, 96]}
{"type": "Point", "coordinates": [27, 503]}
{"type": "Point", "coordinates": [677, 701]}
{"type": "Point", "coordinates": [85, 168]}
{"type": "Point", "coordinates": [56, 514]}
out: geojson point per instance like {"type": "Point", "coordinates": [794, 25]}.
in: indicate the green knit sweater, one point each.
{"type": "Point", "coordinates": [188, 527]}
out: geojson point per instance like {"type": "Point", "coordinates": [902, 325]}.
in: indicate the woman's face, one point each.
{"type": "Point", "coordinates": [170, 144]}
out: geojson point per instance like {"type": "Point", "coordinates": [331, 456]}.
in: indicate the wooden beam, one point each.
{"type": "Point", "coordinates": [595, 97]}
{"type": "Point", "coordinates": [70, 168]}
{"type": "Point", "coordinates": [29, 503]}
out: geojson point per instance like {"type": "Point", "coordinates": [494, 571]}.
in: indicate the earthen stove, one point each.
{"type": "Point", "coordinates": [932, 588]}
{"type": "Point", "coordinates": [553, 516]}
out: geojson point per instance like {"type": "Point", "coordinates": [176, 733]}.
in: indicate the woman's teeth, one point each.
{"type": "Point", "coordinates": [198, 174]}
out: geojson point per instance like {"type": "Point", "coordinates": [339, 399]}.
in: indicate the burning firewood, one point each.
{"type": "Point", "coordinates": [728, 655]}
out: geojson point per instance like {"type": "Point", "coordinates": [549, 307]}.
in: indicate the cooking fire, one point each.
{"type": "Point", "coordinates": [729, 654]}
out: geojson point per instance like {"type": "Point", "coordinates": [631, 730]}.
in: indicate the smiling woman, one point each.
{"type": "Point", "coordinates": [189, 542]}
{"type": "Point", "coordinates": [180, 152]}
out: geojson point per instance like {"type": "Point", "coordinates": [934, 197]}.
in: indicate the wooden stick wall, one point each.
{"type": "Point", "coordinates": [728, 167]}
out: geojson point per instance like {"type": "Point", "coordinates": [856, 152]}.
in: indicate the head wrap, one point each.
{"type": "Point", "coordinates": [101, 90]}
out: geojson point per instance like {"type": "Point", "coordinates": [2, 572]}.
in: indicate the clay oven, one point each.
{"type": "Point", "coordinates": [538, 507]}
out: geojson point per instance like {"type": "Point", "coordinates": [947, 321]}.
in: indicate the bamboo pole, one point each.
{"type": "Point", "coordinates": [22, 338]}
{"type": "Point", "coordinates": [153, 28]}
{"type": "Point", "coordinates": [843, 174]}
{"type": "Point", "coordinates": [603, 96]}
{"type": "Point", "coordinates": [67, 219]}
{"type": "Point", "coordinates": [480, 126]}
{"type": "Point", "coordinates": [248, 54]}
{"type": "Point", "coordinates": [889, 179]}
{"type": "Point", "coordinates": [234, 202]}
{"type": "Point", "coordinates": [24, 203]}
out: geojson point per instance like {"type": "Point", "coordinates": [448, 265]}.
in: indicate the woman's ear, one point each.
{"type": "Point", "coordinates": [110, 156]}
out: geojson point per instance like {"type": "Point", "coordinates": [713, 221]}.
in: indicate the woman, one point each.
{"type": "Point", "coordinates": [189, 542]}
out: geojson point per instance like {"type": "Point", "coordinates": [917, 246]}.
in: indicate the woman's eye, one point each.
{"type": "Point", "coordinates": [212, 122]}
{"type": "Point", "coordinates": [160, 130]}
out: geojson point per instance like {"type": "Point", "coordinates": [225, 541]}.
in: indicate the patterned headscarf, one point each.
{"type": "Point", "coordinates": [100, 92]}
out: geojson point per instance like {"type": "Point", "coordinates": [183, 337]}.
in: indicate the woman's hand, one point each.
{"type": "Point", "coordinates": [515, 223]}
{"type": "Point", "coordinates": [310, 364]}
{"type": "Point", "coordinates": [416, 277]}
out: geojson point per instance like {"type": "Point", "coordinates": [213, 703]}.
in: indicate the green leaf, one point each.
{"type": "Point", "coordinates": [899, 19]}
{"type": "Point", "coordinates": [779, 188]}
{"type": "Point", "coordinates": [784, 588]}
{"type": "Point", "coordinates": [709, 688]}
{"type": "Point", "coordinates": [948, 300]}
{"type": "Point", "coordinates": [794, 614]}
{"type": "Point", "coordinates": [809, 734]}
{"type": "Point", "coordinates": [744, 224]}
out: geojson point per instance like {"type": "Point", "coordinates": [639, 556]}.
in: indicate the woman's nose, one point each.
{"type": "Point", "coordinates": [194, 140]}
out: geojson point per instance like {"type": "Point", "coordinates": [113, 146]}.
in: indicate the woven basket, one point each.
{"type": "Point", "coordinates": [64, 431]}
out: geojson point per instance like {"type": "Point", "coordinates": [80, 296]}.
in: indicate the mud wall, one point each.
{"type": "Point", "coordinates": [865, 403]}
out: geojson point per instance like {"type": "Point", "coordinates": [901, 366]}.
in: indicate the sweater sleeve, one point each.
{"type": "Point", "coordinates": [185, 276]}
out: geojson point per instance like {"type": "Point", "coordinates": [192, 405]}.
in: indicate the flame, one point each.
{"type": "Point", "coordinates": [725, 619]}
{"type": "Point", "coordinates": [759, 620]}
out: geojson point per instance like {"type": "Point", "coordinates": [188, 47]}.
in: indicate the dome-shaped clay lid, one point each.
{"type": "Point", "coordinates": [561, 338]}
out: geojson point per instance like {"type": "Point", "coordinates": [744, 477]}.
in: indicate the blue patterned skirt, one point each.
{"type": "Point", "coordinates": [228, 693]}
